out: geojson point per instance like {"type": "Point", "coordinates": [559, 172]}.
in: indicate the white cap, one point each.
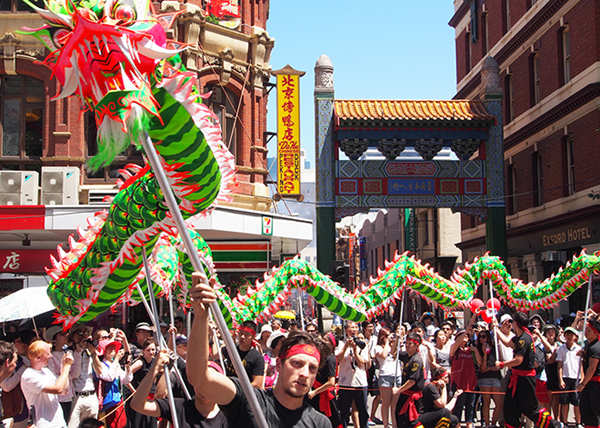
{"type": "Point", "coordinates": [275, 335]}
{"type": "Point", "coordinates": [505, 317]}
{"type": "Point", "coordinates": [264, 328]}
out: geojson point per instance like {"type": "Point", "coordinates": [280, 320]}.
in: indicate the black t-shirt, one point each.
{"type": "Point", "coordinates": [413, 370]}
{"type": "Point", "coordinates": [430, 394]}
{"type": "Point", "coordinates": [253, 361]}
{"type": "Point", "coordinates": [327, 370]}
{"type": "Point", "coordinates": [276, 414]}
{"type": "Point", "coordinates": [524, 346]}
{"type": "Point", "coordinates": [592, 350]}
{"type": "Point", "coordinates": [188, 416]}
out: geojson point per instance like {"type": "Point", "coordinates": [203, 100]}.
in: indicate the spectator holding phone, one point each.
{"type": "Point", "coordinates": [41, 387]}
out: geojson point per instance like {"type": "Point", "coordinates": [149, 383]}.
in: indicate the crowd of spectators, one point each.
{"type": "Point", "coordinates": [97, 377]}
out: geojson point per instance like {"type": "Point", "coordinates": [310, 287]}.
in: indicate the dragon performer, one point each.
{"type": "Point", "coordinates": [114, 55]}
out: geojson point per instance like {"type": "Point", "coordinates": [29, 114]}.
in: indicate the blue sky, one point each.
{"type": "Point", "coordinates": [390, 49]}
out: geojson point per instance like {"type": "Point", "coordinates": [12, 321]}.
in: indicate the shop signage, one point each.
{"type": "Point", "coordinates": [568, 235]}
{"type": "Point", "coordinates": [288, 131]}
{"type": "Point", "coordinates": [25, 261]}
{"type": "Point", "coordinates": [267, 225]}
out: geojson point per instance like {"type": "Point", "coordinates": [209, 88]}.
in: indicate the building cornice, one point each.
{"type": "Point", "coordinates": [459, 14]}
{"type": "Point", "coordinates": [569, 105]}
{"type": "Point", "coordinates": [537, 18]}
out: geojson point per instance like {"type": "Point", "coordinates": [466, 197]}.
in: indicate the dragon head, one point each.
{"type": "Point", "coordinates": [108, 53]}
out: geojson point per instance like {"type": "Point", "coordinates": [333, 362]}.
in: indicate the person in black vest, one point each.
{"type": "Point", "coordinates": [436, 407]}
{"type": "Point", "coordinates": [283, 406]}
{"type": "Point", "coordinates": [520, 396]}
{"type": "Point", "coordinates": [407, 398]}
{"type": "Point", "coordinates": [590, 385]}
{"type": "Point", "coordinates": [253, 360]}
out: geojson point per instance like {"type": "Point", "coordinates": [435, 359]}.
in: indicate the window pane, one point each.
{"type": "Point", "coordinates": [12, 85]}
{"type": "Point", "coordinates": [11, 127]}
{"type": "Point", "coordinates": [33, 130]}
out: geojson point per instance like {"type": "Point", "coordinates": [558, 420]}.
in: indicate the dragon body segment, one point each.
{"type": "Point", "coordinates": [115, 56]}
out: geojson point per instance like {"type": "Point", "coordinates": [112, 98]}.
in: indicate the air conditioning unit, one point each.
{"type": "Point", "coordinates": [60, 185]}
{"type": "Point", "coordinates": [19, 187]}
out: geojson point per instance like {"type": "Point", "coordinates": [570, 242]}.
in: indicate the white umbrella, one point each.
{"type": "Point", "coordinates": [25, 303]}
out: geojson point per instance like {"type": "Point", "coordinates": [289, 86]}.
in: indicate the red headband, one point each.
{"type": "Point", "coordinates": [441, 375]}
{"type": "Point", "coordinates": [248, 330]}
{"type": "Point", "coordinates": [303, 348]}
{"type": "Point", "coordinates": [415, 341]}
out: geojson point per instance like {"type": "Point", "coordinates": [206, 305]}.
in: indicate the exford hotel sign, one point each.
{"type": "Point", "coordinates": [569, 235]}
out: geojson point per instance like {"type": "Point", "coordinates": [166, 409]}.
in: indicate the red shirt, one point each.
{"type": "Point", "coordinates": [462, 368]}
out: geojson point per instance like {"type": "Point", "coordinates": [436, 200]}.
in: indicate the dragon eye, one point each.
{"type": "Point", "coordinates": [59, 37]}
{"type": "Point", "coordinates": [124, 13]}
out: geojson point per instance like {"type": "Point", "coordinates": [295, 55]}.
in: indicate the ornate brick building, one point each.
{"type": "Point", "coordinates": [228, 47]}
{"type": "Point", "coordinates": [549, 57]}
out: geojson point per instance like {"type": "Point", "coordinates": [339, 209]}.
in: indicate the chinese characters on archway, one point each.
{"type": "Point", "coordinates": [288, 135]}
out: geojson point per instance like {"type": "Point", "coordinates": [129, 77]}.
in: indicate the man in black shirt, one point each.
{"type": "Point", "coordinates": [590, 385]}
{"type": "Point", "coordinates": [407, 398]}
{"type": "Point", "coordinates": [199, 412]}
{"type": "Point", "coordinates": [435, 405]}
{"type": "Point", "coordinates": [254, 362]}
{"type": "Point", "coordinates": [520, 396]}
{"type": "Point", "coordinates": [284, 406]}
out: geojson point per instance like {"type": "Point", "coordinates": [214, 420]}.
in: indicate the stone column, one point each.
{"type": "Point", "coordinates": [495, 236]}
{"type": "Point", "coordinates": [325, 168]}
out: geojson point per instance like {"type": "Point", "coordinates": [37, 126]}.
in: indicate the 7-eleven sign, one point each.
{"type": "Point", "coordinates": [267, 225]}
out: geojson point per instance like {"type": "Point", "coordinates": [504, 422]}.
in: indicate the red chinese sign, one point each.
{"type": "Point", "coordinates": [25, 261]}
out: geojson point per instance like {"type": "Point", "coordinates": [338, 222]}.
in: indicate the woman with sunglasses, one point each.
{"type": "Point", "coordinates": [488, 378]}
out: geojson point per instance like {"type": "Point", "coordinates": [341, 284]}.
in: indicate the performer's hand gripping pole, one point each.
{"type": "Point", "coordinates": [198, 263]}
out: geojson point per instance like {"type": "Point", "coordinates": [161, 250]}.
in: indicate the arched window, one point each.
{"type": "Point", "coordinates": [22, 114]}
{"type": "Point", "coordinates": [224, 103]}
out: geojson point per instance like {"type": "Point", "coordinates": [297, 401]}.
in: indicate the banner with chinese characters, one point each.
{"type": "Point", "coordinates": [25, 261]}
{"type": "Point", "coordinates": [288, 131]}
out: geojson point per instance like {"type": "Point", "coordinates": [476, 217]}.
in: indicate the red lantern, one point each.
{"type": "Point", "coordinates": [493, 304]}
{"type": "Point", "coordinates": [475, 305]}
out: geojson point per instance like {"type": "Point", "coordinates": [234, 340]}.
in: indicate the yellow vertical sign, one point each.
{"type": "Point", "coordinates": [288, 131]}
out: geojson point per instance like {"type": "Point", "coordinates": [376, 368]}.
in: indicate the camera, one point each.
{"type": "Point", "coordinates": [88, 341]}
{"type": "Point", "coordinates": [361, 344]}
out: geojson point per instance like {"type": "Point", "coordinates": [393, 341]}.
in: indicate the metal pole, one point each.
{"type": "Point", "coordinates": [588, 300]}
{"type": "Point", "coordinates": [188, 322]}
{"type": "Point", "coordinates": [218, 345]}
{"type": "Point", "coordinates": [175, 368]}
{"type": "Point", "coordinates": [172, 317]}
{"type": "Point", "coordinates": [198, 264]}
{"type": "Point", "coordinates": [162, 342]}
{"type": "Point", "coordinates": [300, 307]}
{"type": "Point", "coordinates": [157, 335]}
{"type": "Point", "coordinates": [398, 338]}
{"type": "Point", "coordinates": [494, 315]}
